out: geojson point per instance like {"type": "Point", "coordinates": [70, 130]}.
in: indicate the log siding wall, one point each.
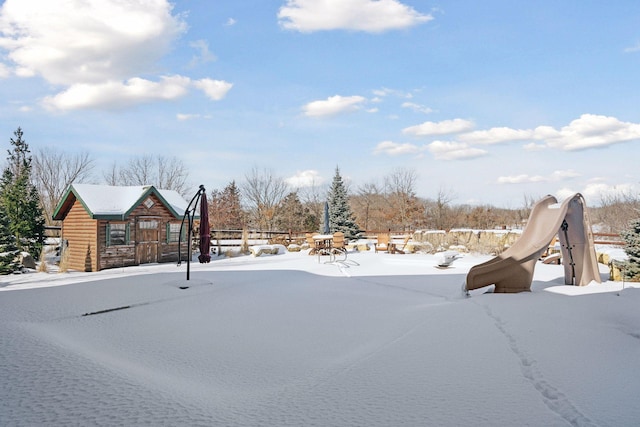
{"type": "Point", "coordinates": [79, 230]}
{"type": "Point", "coordinates": [87, 238]}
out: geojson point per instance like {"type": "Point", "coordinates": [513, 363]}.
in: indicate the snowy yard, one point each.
{"type": "Point", "coordinates": [283, 340]}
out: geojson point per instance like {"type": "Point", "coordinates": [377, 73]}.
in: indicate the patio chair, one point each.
{"type": "Point", "coordinates": [404, 245]}
{"type": "Point", "coordinates": [384, 243]}
{"type": "Point", "coordinates": [338, 247]}
{"type": "Point", "coordinates": [312, 243]}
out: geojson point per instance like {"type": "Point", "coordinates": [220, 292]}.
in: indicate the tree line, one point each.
{"type": "Point", "coordinates": [264, 201]}
{"type": "Point", "coordinates": [33, 185]}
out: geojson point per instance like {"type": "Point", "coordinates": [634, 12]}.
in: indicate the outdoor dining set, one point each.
{"type": "Point", "coordinates": [331, 245]}
{"type": "Point", "coordinates": [334, 245]}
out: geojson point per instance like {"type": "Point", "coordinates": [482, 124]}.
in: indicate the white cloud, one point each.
{"type": "Point", "coordinates": [230, 22]}
{"type": "Point", "coordinates": [592, 131]}
{"type": "Point", "coordinates": [563, 174]}
{"type": "Point", "coordinates": [115, 94]}
{"type": "Point", "coordinates": [204, 55]}
{"type": "Point", "coordinates": [307, 178]}
{"type": "Point", "coordinates": [496, 135]}
{"type": "Point", "coordinates": [385, 91]}
{"type": "Point", "coordinates": [333, 105]}
{"type": "Point", "coordinates": [451, 150]}
{"type": "Point", "coordinates": [635, 48]}
{"type": "Point", "coordinates": [417, 107]}
{"type": "Point", "coordinates": [565, 192]}
{"type": "Point", "coordinates": [519, 179]}
{"type": "Point", "coordinates": [532, 146]}
{"type": "Point", "coordinates": [526, 179]}
{"type": "Point", "coordinates": [602, 191]}
{"type": "Point", "coordinates": [395, 149]}
{"type": "Point", "coordinates": [588, 131]}
{"type": "Point", "coordinates": [357, 15]}
{"type": "Point", "coordinates": [97, 49]}
{"type": "Point", "coordinates": [183, 117]}
{"type": "Point", "coordinates": [545, 132]}
{"type": "Point", "coordinates": [90, 41]}
{"type": "Point", "coordinates": [4, 71]}
{"type": "Point", "coordinates": [444, 127]}
{"type": "Point", "coordinates": [214, 89]}
{"type": "Point", "coordinates": [599, 191]}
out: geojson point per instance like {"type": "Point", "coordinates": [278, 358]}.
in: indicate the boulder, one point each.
{"type": "Point", "coordinates": [26, 260]}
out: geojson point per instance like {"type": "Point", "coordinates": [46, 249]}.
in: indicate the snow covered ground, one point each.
{"type": "Point", "coordinates": [282, 340]}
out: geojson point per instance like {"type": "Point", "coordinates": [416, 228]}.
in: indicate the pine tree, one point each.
{"type": "Point", "coordinates": [340, 216]}
{"type": "Point", "coordinates": [8, 248]}
{"type": "Point", "coordinates": [631, 236]}
{"type": "Point", "coordinates": [293, 216]}
{"type": "Point", "coordinates": [232, 209]}
{"type": "Point", "coordinates": [225, 210]}
{"type": "Point", "coordinates": [20, 200]}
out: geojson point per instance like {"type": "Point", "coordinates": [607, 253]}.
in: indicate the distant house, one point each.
{"type": "Point", "coordinates": [106, 226]}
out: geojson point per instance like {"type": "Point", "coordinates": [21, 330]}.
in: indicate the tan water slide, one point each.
{"type": "Point", "coordinates": [512, 270]}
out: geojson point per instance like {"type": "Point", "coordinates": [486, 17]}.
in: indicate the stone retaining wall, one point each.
{"type": "Point", "coordinates": [466, 240]}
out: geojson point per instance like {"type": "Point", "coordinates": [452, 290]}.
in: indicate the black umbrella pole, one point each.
{"type": "Point", "coordinates": [189, 218]}
{"type": "Point", "coordinates": [189, 248]}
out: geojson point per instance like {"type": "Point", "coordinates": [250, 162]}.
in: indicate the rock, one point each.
{"type": "Point", "coordinates": [26, 260]}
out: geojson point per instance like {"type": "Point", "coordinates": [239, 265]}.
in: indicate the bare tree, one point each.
{"type": "Point", "coordinates": [369, 205]}
{"type": "Point", "coordinates": [400, 190]}
{"type": "Point", "coordinates": [313, 198]}
{"type": "Point", "coordinates": [616, 211]}
{"type": "Point", "coordinates": [439, 211]}
{"type": "Point", "coordinates": [139, 171]}
{"type": "Point", "coordinates": [263, 192]}
{"type": "Point", "coordinates": [111, 176]}
{"type": "Point", "coordinates": [168, 173]}
{"type": "Point", "coordinates": [54, 171]}
{"type": "Point", "coordinates": [523, 213]}
{"type": "Point", "coordinates": [172, 174]}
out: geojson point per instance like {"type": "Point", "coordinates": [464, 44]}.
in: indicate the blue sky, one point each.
{"type": "Point", "coordinates": [489, 101]}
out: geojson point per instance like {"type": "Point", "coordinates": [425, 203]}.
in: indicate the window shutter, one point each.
{"type": "Point", "coordinates": [127, 233]}
{"type": "Point", "coordinates": [108, 231]}
{"type": "Point", "coordinates": [168, 230]}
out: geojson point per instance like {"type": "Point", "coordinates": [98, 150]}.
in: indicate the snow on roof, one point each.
{"type": "Point", "coordinates": [175, 200]}
{"type": "Point", "coordinates": [103, 200]}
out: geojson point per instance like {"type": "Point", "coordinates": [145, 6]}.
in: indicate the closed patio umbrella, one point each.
{"type": "Point", "coordinates": [327, 229]}
{"type": "Point", "coordinates": [205, 231]}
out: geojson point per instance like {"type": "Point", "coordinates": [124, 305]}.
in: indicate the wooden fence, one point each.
{"type": "Point", "coordinates": [223, 240]}
{"type": "Point", "coordinates": [608, 239]}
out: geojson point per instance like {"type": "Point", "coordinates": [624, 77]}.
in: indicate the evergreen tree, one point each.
{"type": "Point", "coordinates": [225, 210]}
{"type": "Point", "coordinates": [294, 216]}
{"type": "Point", "coordinates": [8, 248]}
{"type": "Point", "coordinates": [631, 236]}
{"type": "Point", "coordinates": [340, 216]}
{"type": "Point", "coordinates": [235, 217]}
{"type": "Point", "coordinates": [19, 198]}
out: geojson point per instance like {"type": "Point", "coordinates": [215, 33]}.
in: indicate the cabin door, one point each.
{"type": "Point", "coordinates": [147, 241]}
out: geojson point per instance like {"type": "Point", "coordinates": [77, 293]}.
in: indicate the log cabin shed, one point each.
{"type": "Point", "coordinates": [110, 226]}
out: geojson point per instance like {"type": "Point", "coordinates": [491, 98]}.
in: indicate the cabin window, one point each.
{"type": "Point", "coordinates": [173, 232]}
{"type": "Point", "coordinates": [117, 234]}
{"type": "Point", "coordinates": [148, 224]}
